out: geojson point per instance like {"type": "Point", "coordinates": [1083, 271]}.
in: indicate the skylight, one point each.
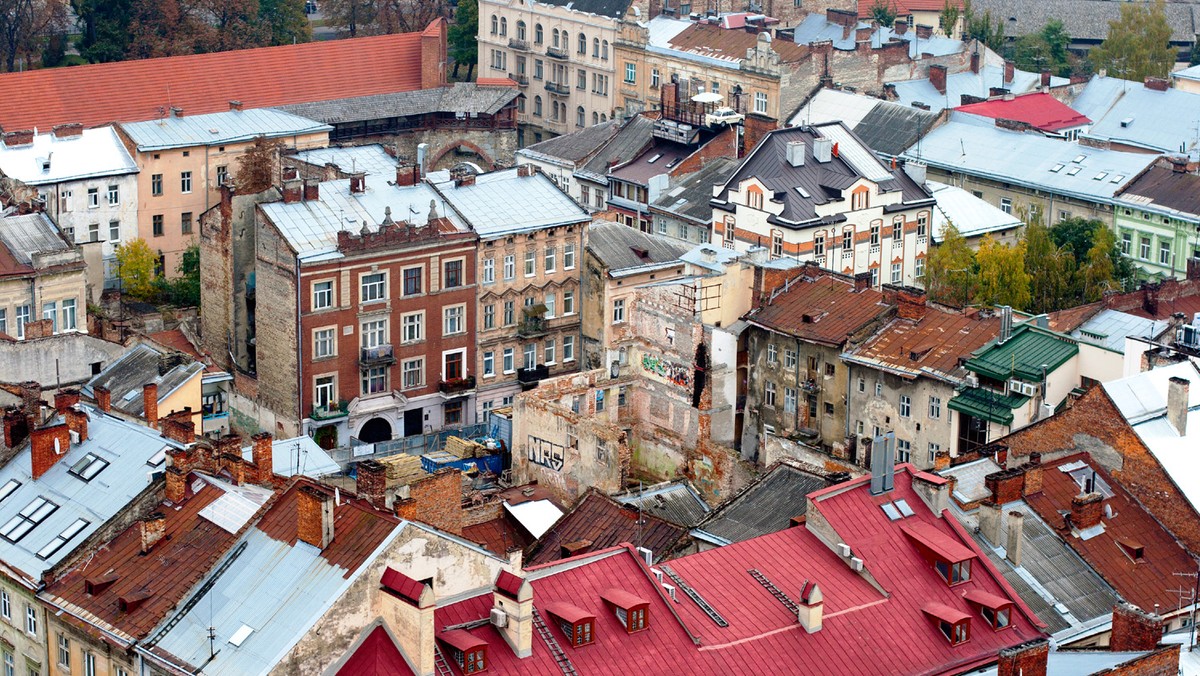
{"type": "Point", "coordinates": [893, 514]}
{"type": "Point", "coordinates": [1072, 171]}
{"type": "Point", "coordinates": [89, 466]}
{"type": "Point", "coordinates": [239, 637]}
{"type": "Point", "coordinates": [654, 159]}
{"type": "Point", "coordinates": [803, 193]}
{"type": "Point", "coordinates": [28, 519]}
{"type": "Point", "coordinates": [1079, 158]}
{"type": "Point", "coordinates": [1117, 179]}
{"type": "Point", "coordinates": [1100, 176]}
{"type": "Point", "coordinates": [1056, 168]}
{"type": "Point", "coordinates": [904, 508]}
{"type": "Point", "coordinates": [8, 488]}
{"type": "Point", "coordinates": [158, 458]}
{"type": "Point", "coordinates": [62, 538]}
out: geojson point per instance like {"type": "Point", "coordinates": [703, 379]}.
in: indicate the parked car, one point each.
{"type": "Point", "coordinates": [723, 115]}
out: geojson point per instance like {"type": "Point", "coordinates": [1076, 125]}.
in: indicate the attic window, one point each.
{"type": "Point", "coordinates": [1073, 170]}
{"type": "Point", "coordinates": [62, 538]}
{"type": "Point", "coordinates": [467, 650]}
{"type": "Point", "coordinates": [996, 610]}
{"type": "Point", "coordinates": [239, 637]}
{"type": "Point", "coordinates": [576, 624]}
{"type": "Point", "coordinates": [954, 624]}
{"type": "Point", "coordinates": [1079, 158]}
{"type": "Point", "coordinates": [1133, 549]}
{"type": "Point", "coordinates": [950, 558]}
{"type": "Point", "coordinates": [28, 519]}
{"type": "Point", "coordinates": [1056, 168]}
{"type": "Point", "coordinates": [654, 159]}
{"type": "Point", "coordinates": [953, 573]}
{"type": "Point", "coordinates": [8, 489]}
{"type": "Point", "coordinates": [631, 611]}
{"type": "Point", "coordinates": [88, 467]}
{"type": "Point", "coordinates": [1117, 179]}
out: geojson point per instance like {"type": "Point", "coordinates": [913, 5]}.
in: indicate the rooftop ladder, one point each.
{"type": "Point", "coordinates": [695, 596]}
{"type": "Point", "coordinates": [775, 591]}
{"type": "Point", "coordinates": [439, 662]}
{"type": "Point", "coordinates": [560, 656]}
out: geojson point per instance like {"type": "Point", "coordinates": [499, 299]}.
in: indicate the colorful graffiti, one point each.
{"type": "Point", "coordinates": [667, 370]}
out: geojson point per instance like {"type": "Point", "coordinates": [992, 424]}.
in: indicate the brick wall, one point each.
{"type": "Point", "coordinates": [1134, 629]}
{"type": "Point", "coordinates": [436, 500]}
{"type": "Point", "coordinates": [1027, 659]}
{"type": "Point", "coordinates": [1163, 661]}
{"type": "Point", "coordinates": [276, 328]}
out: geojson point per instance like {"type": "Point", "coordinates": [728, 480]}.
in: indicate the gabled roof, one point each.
{"type": "Point", "coordinates": [974, 217]}
{"type": "Point", "coordinates": [817, 27]}
{"type": "Point", "coordinates": [93, 153]}
{"type": "Point", "coordinates": [687, 196]}
{"type": "Point", "coordinates": [1038, 110]}
{"type": "Point", "coordinates": [626, 144]}
{"type": "Point", "coordinates": [377, 655]}
{"type": "Point", "coordinates": [930, 346]}
{"type": "Point", "coordinates": [23, 236]}
{"type": "Point", "coordinates": [765, 506]}
{"type": "Point", "coordinates": [617, 246]}
{"type": "Point", "coordinates": [576, 146]}
{"type": "Point", "coordinates": [674, 501]}
{"type": "Point", "coordinates": [1146, 583]}
{"type": "Point", "coordinates": [1023, 355]}
{"type": "Point", "coordinates": [728, 45]}
{"type": "Point", "coordinates": [503, 203]}
{"type": "Point", "coordinates": [604, 522]}
{"type": "Point", "coordinates": [460, 97]}
{"type": "Point", "coordinates": [1109, 329]}
{"type": "Point", "coordinates": [298, 456]}
{"type": "Point", "coordinates": [824, 309]}
{"type": "Point", "coordinates": [204, 83]}
{"type": "Point", "coordinates": [141, 365]}
{"type": "Point", "coordinates": [1133, 114]}
{"type": "Point", "coordinates": [231, 126]}
{"type": "Point", "coordinates": [194, 537]}
{"type": "Point", "coordinates": [132, 453]}
{"type": "Point", "coordinates": [1164, 190]}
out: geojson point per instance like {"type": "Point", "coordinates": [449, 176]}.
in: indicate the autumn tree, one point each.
{"type": "Point", "coordinates": [1138, 43]}
{"type": "Point", "coordinates": [1001, 278]}
{"type": "Point", "coordinates": [257, 166]}
{"type": "Point", "coordinates": [1051, 269]}
{"type": "Point", "coordinates": [382, 17]}
{"type": "Point", "coordinates": [464, 47]}
{"type": "Point", "coordinates": [25, 25]}
{"type": "Point", "coordinates": [136, 267]}
{"type": "Point", "coordinates": [949, 269]}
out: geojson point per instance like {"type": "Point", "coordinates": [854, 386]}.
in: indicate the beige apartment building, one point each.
{"type": "Point", "coordinates": [41, 277]}
{"type": "Point", "coordinates": [183, 161]}
{"type": "Point", "coordinates": [562, 54]}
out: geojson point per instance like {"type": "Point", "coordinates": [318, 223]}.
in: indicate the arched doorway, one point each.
{"type": "Point", "coordinates": [374, 430]}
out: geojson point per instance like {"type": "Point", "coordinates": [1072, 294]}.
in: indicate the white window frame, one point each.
{"type": "Point", "coordinates": [489, 364]}
{"type": "Point", "coordinates": [568, 349]}
{"type": "Point", "coordinates": [381, 285]}
{"type": "Point", "coordinates": [618, 311]}
{"type": "Point", "coordinates": [407, 368]}
{"type": "Point", "coordinates": [454, 320]}
{"type": "Point", "coordinates": [569, 256]}
{"type": "Point", "coordinates": [324, 342]}
{"type": "Point", "coordinates": [185, 182]}
{"type": "Point", "coordinates": [508, 362]}
{"type": "Point", "coordinates": [325, 383]}
{"type": "Point", "coordinates": [412, 327]}
{"type": "Point", "coordinates": [322, 294]}
{"type": "Point", "coordinates": [510, 266]}
{"type": "Point", "coordinates": [488, 272]}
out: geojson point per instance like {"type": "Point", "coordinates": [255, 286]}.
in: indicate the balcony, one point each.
{"type": "Point", "coordinates": [811, 386]}
{"type": "Point", "coordinates": [556, 52]}
{"type": "Point", "coordinates": [533, 321]}
{"type": "Point", "coordinates": [456, 386]}
{"type": "Point", "coordinates": [558, 88]}
{"type": "Point", "coordinates": [533, 375]}
{"type": "Point", "coordinates": [329, 412]}
{"type": "Point", "coordinates": [379, 355]}
{"type": "Point", "coordinates": [519, 45]}
{"type": "Point", "coordinates": [520, 78]}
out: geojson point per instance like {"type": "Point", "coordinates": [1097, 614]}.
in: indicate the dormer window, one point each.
{"type": "Point", "coordinates": [996, 610]}
{"type": "Point", "coordinates": [468, 651]}
{"type": "Point", "coordinates": [953, 572]}
{"type": "Point", "coordinates": [954, 624]}
{"type": "Point", "coordinates": [576, 624]}
{"type": "Point", "coordinates": [630, 610]}
{"type": "Point", "coordinates": [1133, 549]}
{"type": "Point", "coordinates": [950, 558]}
{"type": "Point", "coordinates": [754, 197]}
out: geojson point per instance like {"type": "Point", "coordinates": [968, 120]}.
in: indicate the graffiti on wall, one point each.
{"type": "Point", "coordinates": [669, 371]}
{"type": "Point", "coordinates": [544, 453]}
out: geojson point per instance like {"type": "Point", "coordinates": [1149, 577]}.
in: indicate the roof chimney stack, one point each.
{"type": "Point", "coordinates": [1009, 70]}
{"type": "Point", "coordinates": [1028, 659]}
{"type": "Point", "coordinates": [315, 516]}
{"type": "Point", "coordinates": [1086, 510]}
{"type": "Point", "coordinates": [822, 149]}
{"type": "Point", "coordinates": [883, 463]}
{"type": "Point", "coordinates": [46, 446]}
{"type": "Point", "coordinates": [937, 77]}
{"type": "Point", "coordinates": [103, 398]}
{"type": "Point", "coordinates": [1016, 539]}
{"type": "Point", "coordinates": [1005, 324]}
{"type": "Point", "coordinates": [407, 608]}
{"type": "Point", "coordinates": [262, 454]}
{"type": "Point", "coordinates": [150, 403]}
{"type": "Point", "coordinates": [234, 104]}
{"type": "Point", "coordinates": [65, 399]}
{"type": "Point", "coordinates": [1177, 404]}
{"type": "Point", "coordinates": [811, 607]}
{"type": "Point", "coordinates": [512, 612]}
{"type": "Point", "coordinates": [795, 153]}
{"type": "Point", "coordinates": [152, 529]}
{"type": "Point", "coordinates": [370, 482]}
{"type": "Point", "coordinates": [989, 521]}
{"type": "Point", "coordinates": [358, 183]}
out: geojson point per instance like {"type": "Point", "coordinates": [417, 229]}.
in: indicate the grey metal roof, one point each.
{"type": "Point", "coordinates": [1082, 19]}
{"type": "Point", "coordinates": [502, 203]}
{"type": "Point", "coordinates": [576, 146]}
{"type": "Point", "coordinates": [372, 160]}
{"type": "Point", "coordinates": [613, 9]}
{"type": "Point", "coordinates": [816, 28]}
{"type": "Point", "coordinates": [765, 506]}
{"type": "Point", "coordinates": [675, 501]}
{"type": "Point", "coordinates": [971, 145]}
{"type": "Point", "coordinates": [139, 366]}
{"type": "Point", "coordinates": [973, 216]}
{"type": "Point", "coordinates": [30, 234]}
{"type": "Point", "coordinates": [890, 128]}
{"type": "Point", "coordinates": [821, 182]}
{"type": "Point", "coordinates": [614, 244]}
{"type": "Point", "coordinates": [1129, 113]}
{"type": "Point", "coordinates": [1109, 328]}
{"type": "Point", "coordinates": [217, 128]}
{"type": "Point", "coordinates": [628, 143]}
{"type": "Point", "coordinates": [128, 450]}
{"type": "Point", "coordinates": [967, 82]}
{"type": "Point", "coordinates": [688, 196]}
{"type": "Point", "coordinates": [300, 456]}
{"type": "Point", "coordinates": [460, 97]}
{"type": "Point", "coordinates": [94, 153]}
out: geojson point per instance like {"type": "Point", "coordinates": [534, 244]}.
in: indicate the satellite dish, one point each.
{"type": "Point", "coordinates": [707, 97]}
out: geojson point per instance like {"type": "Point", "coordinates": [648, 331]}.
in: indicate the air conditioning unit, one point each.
{"type": "Point", "coordinates": [1022, 388]}
{"type": "Point", "coordinates": [843, 549]}
{"type": "Point", "coordinates": [856, 564]}
{"type": "Point", "coordinates": [972, 380]}
{"type": "Point", "coordinates": [1188, 335]}
{"type": "Point", "coordinates": [670, 589]}
{"type": "Point", "coordinates": [498, 617]}
{"type": "Point", "coordinates": [74, 438]}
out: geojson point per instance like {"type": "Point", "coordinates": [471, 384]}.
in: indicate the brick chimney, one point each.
{"type": "Point", "coordinates": [176, 485]}
{"type": "Point", "coordinates": [1027, 659]}
{"type": "Point", "coordinates": [358, 183]}
{"type": "Point", "coordinates": [1177, 404]}
{"type": "Point", "coordinates": [811, 607]}
{"type": "Point", "coordinates": [464, 181]}
{"type": "Point", "coordinates": [21, 137]}
{"type": "Point", "coordinates": [862, 281]}
{"type": "Point", "coordinates": [1045, 78]}
{"type": "Point", "coordinates": [910, 302]}
{"type": "Point", "coordinates": [103, 398]}
{"type": "Point", "coordinates": [77, 422]}
{"type": "Point", "coordinates": [901, 27]}
{"type": "Point", "coordinates": [407, 607]}
{"type": "Point", "coordinates": [433, 55]}
{"type": "Point", "coordinates": [47, 445]}
{"type": "Point", "coordinates": [234, 104]}
{"type": "Point", "coordinates": [262, 456]}
{"type": "Point", "coordinates": [1005, 485]}
{"type": "Point", "coordinates": [408, 175]}
{"type": "Point", "coordinates": [68, 130]}
{"type": "Point", "coordinates": [312, 190]}
{"type": "Point", "coordinates": [1157, 84]}
{"type": "Point", "coordinates": [975, 62]}
{"type": "Point", "coordinates": [150, 403]}
{"type": "Point", "coordinates": [1033, 475]}
{"type": "Point", "coordinates": [314, 514]}
{"type": "Point", "coordinates": [152, 529]}
{"type": "Point", "coordinates": [924, 32]}
{"type": "Point", "coordinates": [179, 426]}
{"type": "Point", "coordinates": [937, 77]}
{"type": "Point", "coordinates": [16, 427]}
{"type": "Point", "coordinates": [1134, 629]}
{"type": "Point", "coordinates": [65, 399]}
{"type": "Point", "coordinates": [1009, 69]}
{"type": "Point", "coordinates": [526, 170]}
{"type": "Point", "coordinates": [1086, 510]}
{"type": "Point", "coordinates": [514, 595]}
{"type": "Point", "coordinates": [31, 398]}
{"type": "Point", "coordinates": [370, 482]}
{"type": "Point", "coordinates": [293, 190]}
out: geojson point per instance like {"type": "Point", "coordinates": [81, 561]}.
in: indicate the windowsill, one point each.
{"type": "Point", "coordinates": [318, 310]}
{"type": "Point", "coordinates": [325, 358]}
{"type": "Point", "coordinates": [567, 361]}
{"type": "Point", "coordinates": [509, 373]}
{"type": "Point", "coordinates": [407, 343]}
{"type": "Point", "coordinates": [410, 388]}
{"type": "Point", "coordinates": [550, 363]}
{"type": "Point", "coordinates": [489, 375]}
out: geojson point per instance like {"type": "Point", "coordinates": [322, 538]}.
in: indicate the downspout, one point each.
{"type": "Point", "coordinates": [299, 360]}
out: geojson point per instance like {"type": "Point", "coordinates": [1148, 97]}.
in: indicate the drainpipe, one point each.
{"type": "Point", "coordinates": [299, 360]}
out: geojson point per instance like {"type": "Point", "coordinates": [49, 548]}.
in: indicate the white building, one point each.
{"type": "Point", "coordinates": [87, 179]}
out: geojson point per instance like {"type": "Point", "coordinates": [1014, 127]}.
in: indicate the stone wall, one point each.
{"type": "Point", "coordinates": [276, 330]}
{"type": "Point", "coordinates": [64, 359]}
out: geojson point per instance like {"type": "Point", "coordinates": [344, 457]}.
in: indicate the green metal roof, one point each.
{"type": "Point", "coordinates": [1023, 355]}
{"type": "Point", "coordinates": [983, 403]}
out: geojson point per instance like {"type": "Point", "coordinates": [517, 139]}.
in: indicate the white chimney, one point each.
{"type": "Point", "coordinates": [1005, 324]}
{"type": "Point", "coordinates": [795, 153]}
{"type": "Point", "coordinates": [915, 171]}
{"type": "Point", "coordinates": [1016, 537]}
{"type": "Point", "coordinates": [1177, 404]}
{"type": "Point", "coordinates": [822, 149]}
{"type": "Point", "coordinates": [811, 608]}
{"type": "Point", "coordinates": [989, 522]}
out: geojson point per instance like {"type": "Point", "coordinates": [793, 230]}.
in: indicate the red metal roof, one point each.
{"type": "Point", "coordinates": [131, 91]}
{"type": "Point", "coordinates": [826, 310]}
{"type": "Point", "coordinates": [377, 655]}
{"type": "Point", "coordinates": [567, 611]}
{"type": "Point", "coordinates": [603, 522]}
{"type": "Point", "coordinates": [985, 599]}
{"type": "Point", "coordinates": [937, 541]}
{"type": "Point", "coordinates": [944, 612]}
{"type": "Point", "coordinates": [1040, 111]}
{"type": "Point", "coordinates": [509, 584]}
{"type": "Point", "coordinates": [403, 585]}
{"type": "Point", "coordinates": [621, 598]}
{"type": "Point", "coordinates": [461, 640]}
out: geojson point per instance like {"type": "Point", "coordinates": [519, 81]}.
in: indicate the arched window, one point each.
{"type": "Point", "coordinates": [582, 43]}
{"type": "Point", "coordinates": [595, 117]}
{"type": "Point", "coordinates": [503, 26]}
{"type": "Point", "coordinates": [554, 110]}
{"type": "Point", "coordinates": [603, 117]}
{"type": "Point", "coordinates": [596, 47]}
{"type": "Point", "coordinates": [537, 106]}
{"type": "Point", "coordinates": [537, 34]}
{"type": "Point", "coordinates": [520, 104]}
{"type": "Point", "coordinates": [604, 51]}
{"type": "Point", "coordinates": [520, 30]}
{"type": "Point", "coordinates": [556, 41]}
{"type": "Point", "coordinates": [495, 25]}
{"type": "Point", "coordinates": [580, 116]}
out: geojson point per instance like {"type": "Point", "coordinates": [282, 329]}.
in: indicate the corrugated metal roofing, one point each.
{"type": "Point", "coordinates": [1130, 113]}
{"type": "Point", "coordinates": [139, 366]}
{"type": "Point", "coordinates": [613, 9]}
{"type": "Point", "coordinates": [1024, 354]}
{"type": "Point", "coordinates": [460, 97]}
{"type": "Point", "coordinates": [502, 203]}
{"type": "Point", "coordinates": [766, 506]}
{"type": "Point", "coordinates": [972, 216]}
{"type": "Point", "coordinates": [970, 83]}
{"type": "Point", "coordinates": [26, 235]}
{"type": "Point", "coordinates": [816, 28]}
{"type": "Point", "coordinates": [218, 128]}
{"type": "Point", "coordinates": [613, 245]}
{"type": "Point", "coordinates": [826, 310]}
{"type": "Point", "coordinates": [890, 128]}
{"type": "Point", "coordinates": [687, 196]}
{"type": "Point", "coordinates": [932, 345]}
{"type": "Point", "coordinates": [1164, 190]}
{"type": "Point", "coordinates": [95, 153]}
{"type": "Point", "coordinates": [676, 502]}
{"type": "Point", "coordinates": [980, 402]}
{"type": "Point", "coordinates": [372, 160]}
{"type": "Point", "coordinates": [576, 146]}
{"type": "Point", "coordinates": [604, 522]}
{"type": "Point", "coordinates": [624, 146]}
{"type": "Point", "coordinates": [1109, 328]}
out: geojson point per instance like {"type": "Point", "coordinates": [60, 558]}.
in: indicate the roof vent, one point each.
{"type": "Point", "coordinates": [856, 564]}
{"type": "Point", "coordinates": [1127, 122]}
{"type": "Point", "coordinates": [795, 153]}
{"type": "Point", "coordinates": [843, 549]}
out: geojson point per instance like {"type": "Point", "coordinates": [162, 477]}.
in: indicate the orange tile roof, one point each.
{"type": "Point", "coordinates": [935, 343]}
{"type": "Point", "coordinates": [906, 7]}
{"type": "Point", "coordinates": [131, 91]}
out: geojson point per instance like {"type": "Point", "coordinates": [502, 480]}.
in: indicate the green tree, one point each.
{"type": "Point", "coordinates": [1098, 274]}
{"type": "Point", "coordinates": [464, 48]}
{"type": "Point", "coordinates": [105, 28]}
{"type": "Point", "coordinates": [136, 263]}
{"type": "Point", "coordinates": [1051, 269]}
{"type": "Point", "coordinates": [1002, 279]}
{"type": "Point", "coordinates": [184, 290]}
{"type": "Point", "coordinates": [1046, 49]}
{"type": "Point", "coordinates": [949, 269]}
{"type": "Point", "coordinates": [883, 12]}
{"type": "Point", "coordinates": [982, 27]}
{"type": "Point", "coordinates": [286, 21]}
{"type": "Point", "coordinates": [1138, 44]}
{"type": "Point", "coordinates": [1076, 234]}
{"type": "Point", "coordinates": [949, 18]}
